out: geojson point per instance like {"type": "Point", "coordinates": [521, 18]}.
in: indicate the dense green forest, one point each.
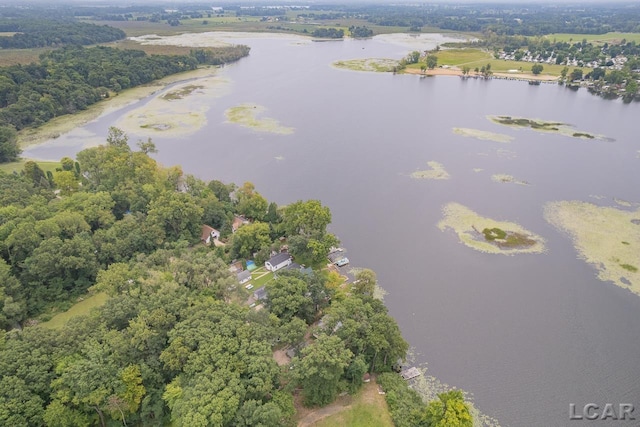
{"type": "Point", "coordinates": [176, 340]}
{"type": "Point", "coordinates": [32, 33]}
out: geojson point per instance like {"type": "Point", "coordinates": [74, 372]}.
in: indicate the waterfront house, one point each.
{"type": "Point", "coordinates": [278, 261]}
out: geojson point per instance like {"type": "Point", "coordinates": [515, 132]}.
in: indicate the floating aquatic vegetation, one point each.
{"type": "Point", "coordinates": [185, 114]}
{"type": "Point", "coordinates": [379, 65]}
{"type": "Point", "coordinates": [545, 126]}
{"type": "Point", "coordinates": [488, 235]}
{"type": "Point", "coordinates": [477, 170]}
{"type": "Point", "coordinates": [606, 237]}
{"type": "Point", "coordinates": [279, 158]}
{"type": "Point", "coordinates": [429, 387]}
{"type": "Point", "coordinates": [483, 135]}
{"type": "Point", "coordinates": [181, 93]}
{"type": "Point", "coordinates": [246, 115]}
{"type": "Point", "coordinates": [437, 171]}
{"type": "Point", "coordinates": [506, 154]}
{"type": "Point", "coordinates": [507, 179]}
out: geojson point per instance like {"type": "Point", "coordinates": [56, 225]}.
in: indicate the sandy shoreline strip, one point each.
{"type": "Point", "coordinates": [454, 71]}
{"type": "Point", "coordinates": [63, 124]}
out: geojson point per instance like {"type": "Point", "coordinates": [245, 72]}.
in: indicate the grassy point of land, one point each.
{"type": "Point", "coordinates": [79, 309]}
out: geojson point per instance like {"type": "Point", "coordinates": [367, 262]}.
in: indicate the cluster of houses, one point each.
{"type": "Point", "coordinates": [616, 63]}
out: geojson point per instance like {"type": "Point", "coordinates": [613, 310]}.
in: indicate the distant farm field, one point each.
{"type": "Point", "coordinates": [595, 38]}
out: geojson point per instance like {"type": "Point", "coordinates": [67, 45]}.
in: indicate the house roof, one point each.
{"type": "Point", "coordinates": [279, 258]}
{"type": "Point", "coordinates": [206, 232]}
{"type": "Point", "coordinates": [243, 275]}
{"type": "Point", "coordinates": [293, 266]}
{"type": "Point", "coordinates": [260, 293]}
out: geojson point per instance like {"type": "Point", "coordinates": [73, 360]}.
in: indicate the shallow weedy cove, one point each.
{"type": "Point", "coordinates": [606, 237]}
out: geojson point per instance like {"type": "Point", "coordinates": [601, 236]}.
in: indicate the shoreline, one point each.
{"type": "Point", "coordinates": [454, 71]}
{"type": "Point", "coordinates": [63, 124]}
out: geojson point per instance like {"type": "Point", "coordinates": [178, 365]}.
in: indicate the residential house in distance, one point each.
{"type": "Point", "coordinates": [278, 261]}
{"type": "Point", "coordinates": [209, 234]}
{"type": "Point", "coordinates": [238, 221]}
{"type": "Point", "coordinates": [260, 294]}
{"type": "Point", "coordinates": [243, 276]}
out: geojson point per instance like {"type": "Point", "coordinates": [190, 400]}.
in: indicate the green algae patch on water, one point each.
{"type": "Point", "coordinates": [488, 235]}
{"type": "Point", "coordinates": [507, 179]}
{"type": "Point", "coordinates": [483, 135]}
{"type": "Point", "coordinates": [247, 115]}
{"type": "Point", "coordinates": [378, 65]}
{"type": "Point", "coordinates": [177, 112]}
{"type": "Point", "coordinates": [546, 126]}
{"type": "Point", "coordinates": [436, 171]}
{"type": "Point", "coordinates": [606, 237]}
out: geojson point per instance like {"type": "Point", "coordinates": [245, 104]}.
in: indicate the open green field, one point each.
{"type": "Point", "coordinates": [79, 309]}
{"type": "Point", "coordinates": [595, 38]}
{"type": "Point", "coordinates": [18, 166]}
{"type": "Point", "coordinates": [473, 58]}
{"type": "Point", "coordinates": [260, 277]}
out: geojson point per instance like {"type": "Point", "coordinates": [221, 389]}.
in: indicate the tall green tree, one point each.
{"type": "Point", "coordinates": [9, 149]}
{"type": "Point", "coordinates": [449, 410]}
{"type": "Point", "coordinates": [320, 369]}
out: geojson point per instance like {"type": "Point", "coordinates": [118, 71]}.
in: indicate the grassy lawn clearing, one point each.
{"type": "Point", "coordinates": [366, 408]}
{"type": "Point", "coordinates": [18, 166]}
{"type": "Point", "coordinates": [81, 308]}
{"type": "Point", "coordinates": [260, 277]}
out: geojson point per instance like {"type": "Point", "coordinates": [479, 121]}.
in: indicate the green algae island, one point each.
{"type": "Point", "coordinates": [436, 171]}
{"type": "Point", "coordinates": [545, 126]}
{"type": "Point", "coordinates": [488, 235]}
{"type": "Point", "coordinates": [483, 135]}
{"type": "Point", "coordinates": [378, 65]}
{"type": "Point", "coordinates": [246, 115]}
{"type": "Point", "coordinates": [606, 237]}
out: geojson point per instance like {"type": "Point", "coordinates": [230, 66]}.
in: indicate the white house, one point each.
{"type": "Point", "coordinates": [209, 234]}
{"type": "Point", "coordinates": [243, 277]}
{"type": "Point", "coordinates": [278, 261]}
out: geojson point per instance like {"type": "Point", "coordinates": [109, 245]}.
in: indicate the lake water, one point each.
{"type": "Point", "coordinates": [528, 334]}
